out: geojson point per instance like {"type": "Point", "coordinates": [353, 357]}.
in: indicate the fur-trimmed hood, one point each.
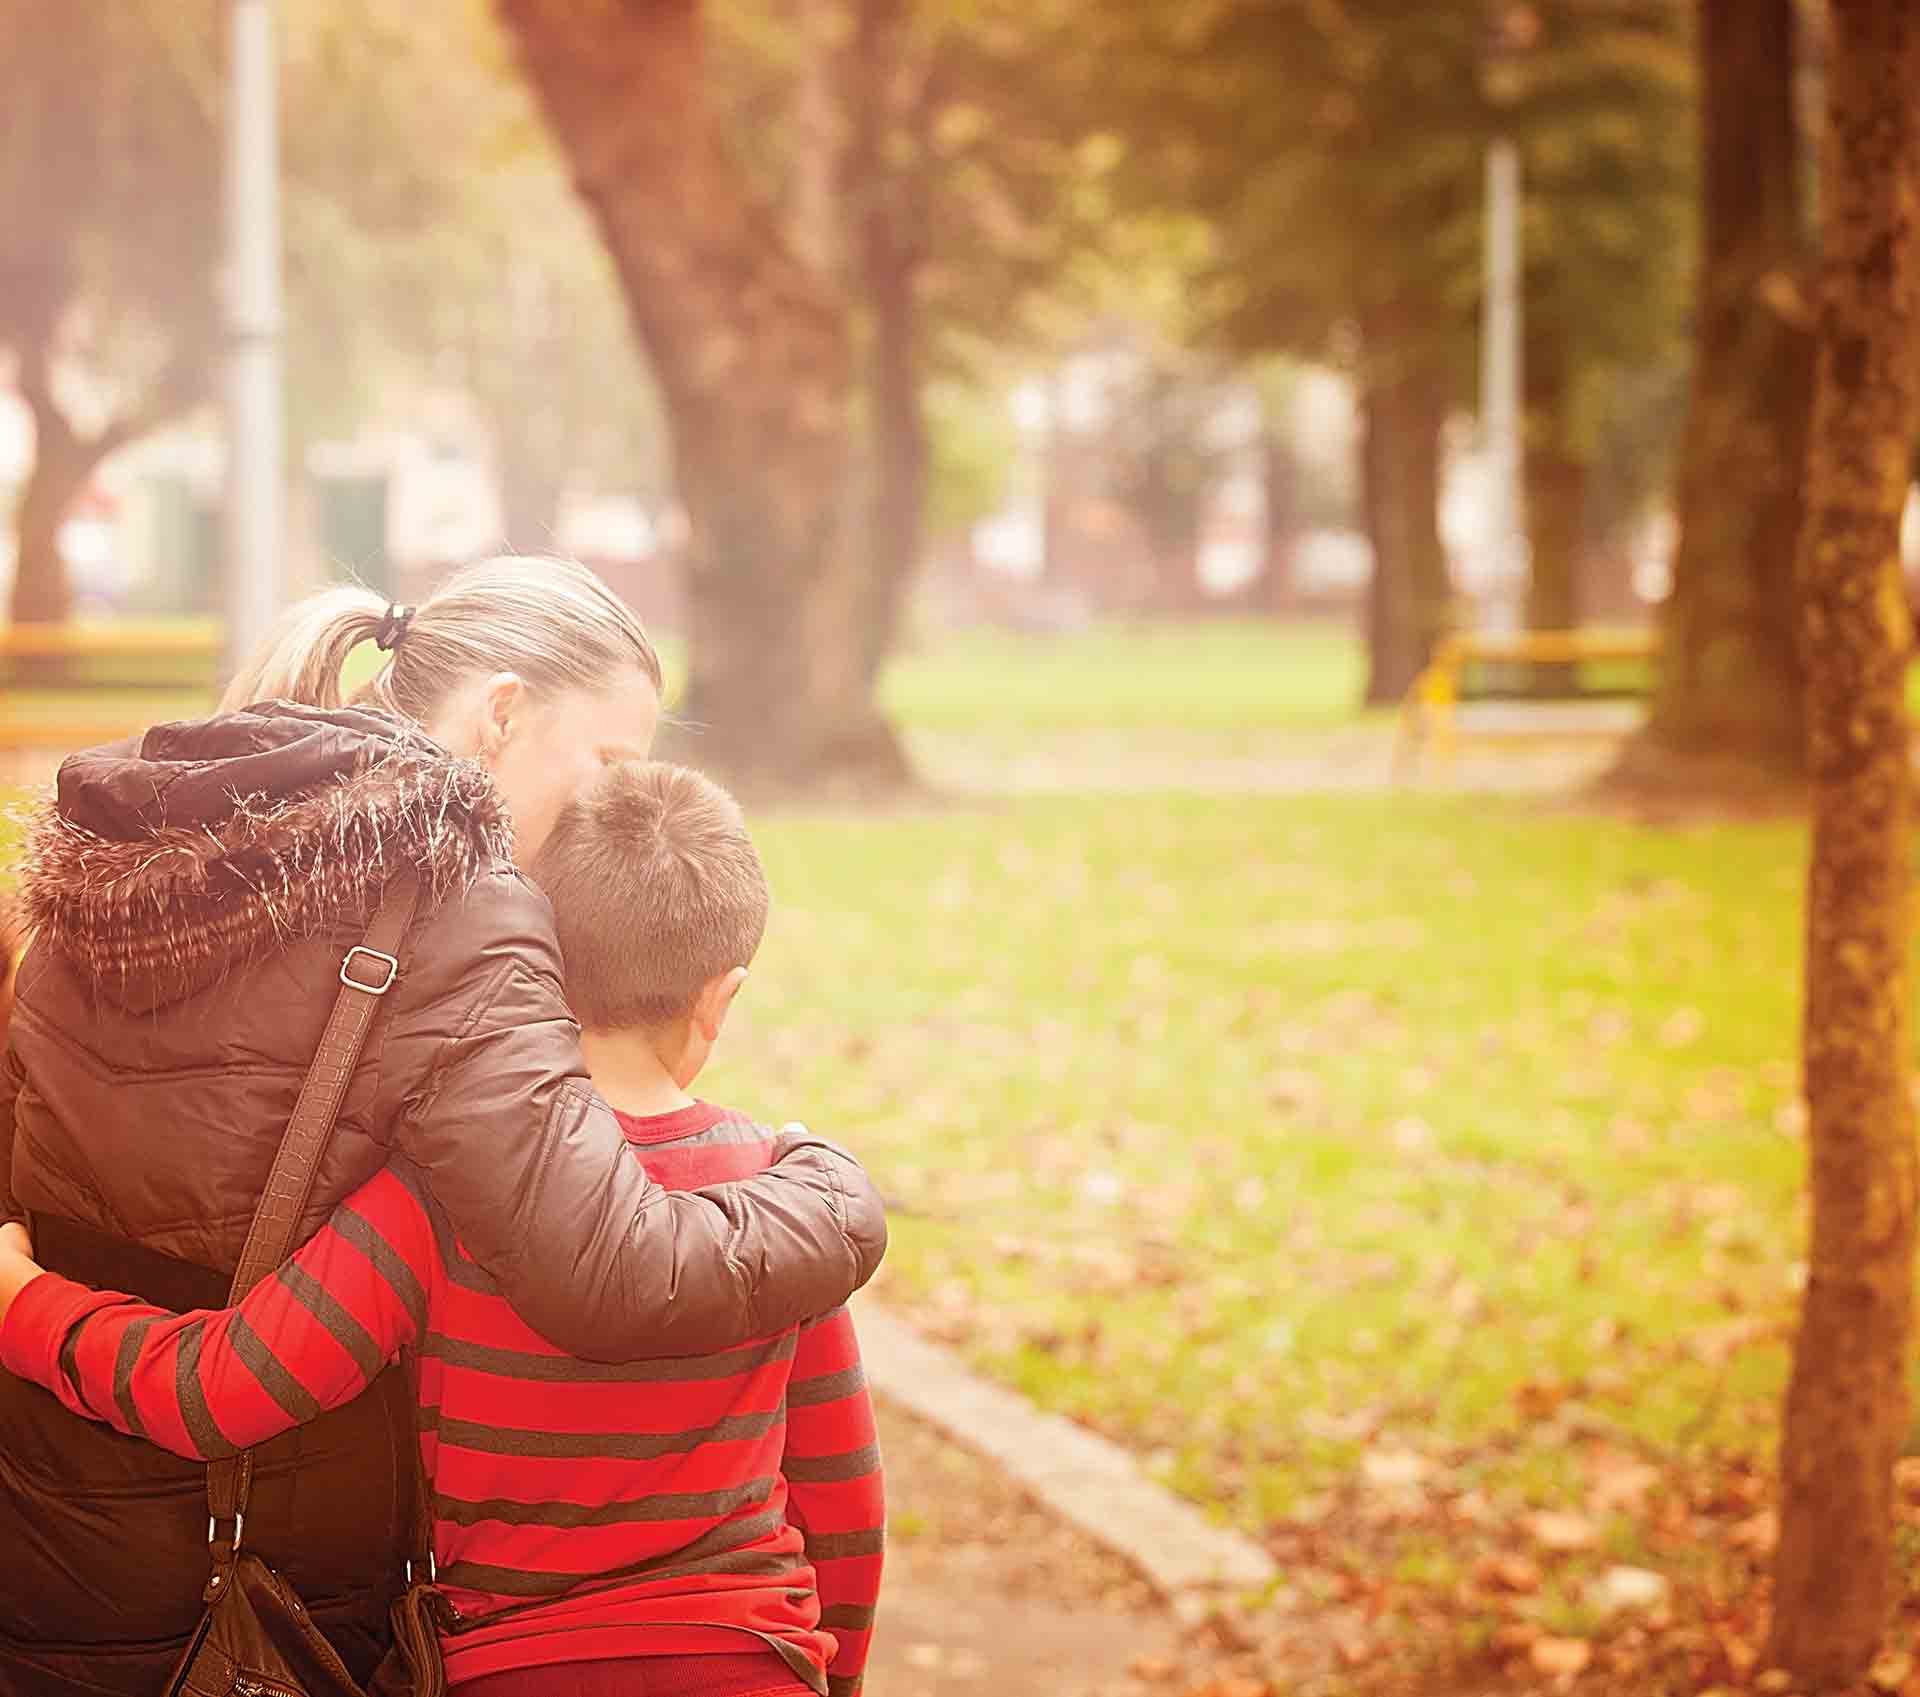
{"type": "Point", "coordinates": [166, 861]}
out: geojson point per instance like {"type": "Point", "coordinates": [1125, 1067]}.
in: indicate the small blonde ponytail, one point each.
{"type": "Point", "coordinates": [302, 656]}
{"type": "Point", "coordinates": [551, 622]}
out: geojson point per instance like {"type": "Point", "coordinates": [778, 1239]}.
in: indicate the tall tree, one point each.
{"type": "Point", "coordinates": [888, 185]}
{"type": "Point", "coordinates": [1596, 96]}
{"type": "Point", "coordinates": [1847, 1402]}
{"type": "Point", "coordinates": [936, 167]}
{"type": "Point", "coordinates": [1336, 153]}
{"type": "Point", "coordinates": [108, 227]}
{"type": "Point", "coordinates": [1731, 679]}
{"type": "Point", "coordinates": [1165, 460]}
{"type": "Point", "coordinates": [752, 348]}
{"type": "Point", "coordinates": [1404, 399]}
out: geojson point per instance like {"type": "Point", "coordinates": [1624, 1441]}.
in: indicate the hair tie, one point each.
{"type": "Point", "coordinates": [393, 626]}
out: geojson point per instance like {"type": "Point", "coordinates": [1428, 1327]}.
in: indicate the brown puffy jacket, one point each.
{"type": "Point", "coordinates": [192, 894]}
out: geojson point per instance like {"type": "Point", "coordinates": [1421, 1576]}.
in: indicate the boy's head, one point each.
{"type": "Point", "coordinates": [660, 902]}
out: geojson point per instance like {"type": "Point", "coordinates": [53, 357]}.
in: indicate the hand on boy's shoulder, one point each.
{"type": "Point", "coordinates": [790, 1137]}
{"type": "Point", "coordinates": [794, 1136]}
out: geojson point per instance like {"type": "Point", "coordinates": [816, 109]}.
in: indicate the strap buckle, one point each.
{"type": "Point", "coordinates": [433, 1569]}
{"type": "Point", "coordinates": [239, 1528]}
{"type": "Point", "coordinates": [390, 962]}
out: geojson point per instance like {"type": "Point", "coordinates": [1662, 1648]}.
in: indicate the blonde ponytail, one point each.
{"type": "Point", "coordinates": [551, 622]}
{"type": "Point", "coordinates": [301, 657]}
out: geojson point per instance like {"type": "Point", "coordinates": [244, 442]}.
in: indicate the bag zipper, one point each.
{"type": "Point", "coordinates": [245, 1685]}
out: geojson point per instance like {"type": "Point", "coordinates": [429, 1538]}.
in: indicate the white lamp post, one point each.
{"type": "Point", "coordinates": [255, 495]}
{"type": "Point", "coordinates": [1500, 404]}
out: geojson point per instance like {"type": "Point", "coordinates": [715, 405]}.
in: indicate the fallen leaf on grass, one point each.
{"type": "Point", "coordinates": [1621, 1588]}
{"type": "Point", "coordinates": [1540, 1399]}
{"type": "Point", "coordinates": [1353, 1652]}
{"type": "Point", "coordinates": [1758, 1533]}
{"type": "Point", "coordinates": [1742, 1657]}
{"type": "Point", "coordinates": [1560, 1658]}
{"type": "Point", "coordinates": [1516, 1638]}
{"type": "Point", "coordinates": [1891, 1670]}
{"type": "Point", "coordinates": [1554, 1530]}
{"type": "Point", "coordinates": [1394, 1468]}
{"type": "Point", "coordinates": [1507, 1573]}
{"type": "Point", "coordinates": [1618, 1484]}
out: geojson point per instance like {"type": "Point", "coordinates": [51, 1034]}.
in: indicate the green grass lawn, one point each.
{"type": "Point", "coordinates": [1226, 675]}
{"type": "Point", "coordinates": [1263, 1132]}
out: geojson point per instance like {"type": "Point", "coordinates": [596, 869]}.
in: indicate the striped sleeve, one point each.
{"type": "Point", "coordinates": [835, 1489]}
{"type": "Point", "coordinates": [307, 1338]}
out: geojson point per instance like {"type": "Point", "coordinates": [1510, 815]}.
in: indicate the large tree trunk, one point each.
{"type": "Point", "coordinates": [1556, 491]}
{"type": "Point", "coordinates": [1272, 591]}
{"type": "Point", "coordinates": [753, 351]}
{"type": "Point", "coordinates": [1407, 600]}
{"type": "Point", "coordinates": [886, 178]}
{"type": "Point", "coordinates": [1731, 680]}
{"type": "Point", "coordinates": [1169, 511]}
{"type": "Point", "coordinates": [898, 449]}
{"type": "Point", "coordinates": [41, 590]}
{"type": "Point", "coordinates": [1846, 1410]}
{"type": "Point", "coordinates": [63, 464]}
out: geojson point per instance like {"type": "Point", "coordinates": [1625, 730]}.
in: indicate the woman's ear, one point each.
{"type": "Point", "coordinates": [501, 698]}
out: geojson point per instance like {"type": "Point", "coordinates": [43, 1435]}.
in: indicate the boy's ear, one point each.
{"type": "Point", "coordinates": [710, 1007]}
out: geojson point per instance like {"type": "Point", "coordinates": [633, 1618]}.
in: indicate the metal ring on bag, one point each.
{"type": "Point", "coordinates": [213, 1530]}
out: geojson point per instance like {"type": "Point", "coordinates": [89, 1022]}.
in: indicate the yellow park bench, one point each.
{"type": "Point", "coordinates": [71, 684]}
{"type": "Point", "coordinates": [1483, 665]}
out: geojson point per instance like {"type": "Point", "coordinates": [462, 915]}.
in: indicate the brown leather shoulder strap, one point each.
{"type": "Point", "coordinates": [366, 974]}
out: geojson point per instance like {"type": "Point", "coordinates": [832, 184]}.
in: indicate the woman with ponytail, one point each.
{"type": "Point", "coordinates": [191, 894]}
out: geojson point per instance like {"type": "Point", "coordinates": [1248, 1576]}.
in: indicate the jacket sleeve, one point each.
{"type": "Point", "coordinates": [545, 1194]}
{"type": "Point", "coordinates": [207, 1384]}
{"type": "Point", "coordinates": [10, 1082]}
{"type": "Point", "coordinates": [10, 1074]}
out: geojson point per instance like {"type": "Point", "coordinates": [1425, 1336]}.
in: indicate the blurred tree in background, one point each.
{"type": "Point", "coordinates": [434, 241]}
{"type": "Point", "coordinates": [946, 182]}
{"type": "Point", "coordinates": [430, 236]}
{"type": "Point", "coordinates": [750, 339]}
{"type": "Point", "coordinates": [796, 284]}
{"type": "Point", "coordinates": [1731, 679]}
{"type": "Point", "coordinates": [1337, 153]}
{"type": "Point", "coordinates": [1596, 96]}
{"type": "Point", "coordinates": [109, 227]}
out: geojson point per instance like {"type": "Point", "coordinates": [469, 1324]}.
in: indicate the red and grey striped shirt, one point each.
{"type": "Point", "coordinates": [659, 1507]}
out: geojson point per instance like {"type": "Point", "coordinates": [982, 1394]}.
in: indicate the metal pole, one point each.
{"type": "Point", "coordinates": [255, 486]}
{"type": "Point", "coordinates": [1500, 383]}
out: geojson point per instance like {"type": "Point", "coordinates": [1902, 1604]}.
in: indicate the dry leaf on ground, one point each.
{"type": "Point", "coordinates": [1555, 1530]}
{"type": "Point", "coordinates": [1561, 1658]}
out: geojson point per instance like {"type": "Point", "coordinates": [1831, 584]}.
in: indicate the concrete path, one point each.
{"type": "Point", "coordinates": [987, 1595]}
{"type": "Point", "coordinates": [1090, 1483]}
{"type": "Point", "coordinates": [1026, 1554]}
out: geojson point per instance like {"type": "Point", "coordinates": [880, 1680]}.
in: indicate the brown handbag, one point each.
{"type": "Point", "coordinates": [257, 1638]}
